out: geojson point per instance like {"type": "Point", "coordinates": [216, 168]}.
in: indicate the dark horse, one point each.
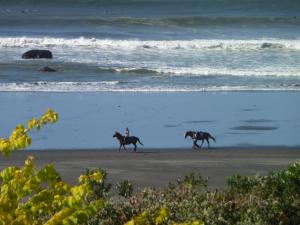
{"type": "Point", "coordinates": [126, 141]}
{"type": "Point", "coordinates": [196, 136]}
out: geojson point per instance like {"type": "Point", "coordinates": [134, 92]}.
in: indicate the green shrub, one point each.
{"type": "Point", "coordinates": [124, 188]}
{"type": "Point", "coordinates": [260, 200]}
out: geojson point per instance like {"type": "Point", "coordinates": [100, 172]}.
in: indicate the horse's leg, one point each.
{"type": "Point", "coordinates": [134, 146]}
{"type": "Point", "coordinates": [202, 143]}
{"type": "Point", "coordinates": [120, 147]}
{"type": "Point", "coordinates": [197, 146]}
{"type": "Point", "coordinates": [207, 140]}
{"type": "Point", "coordinates": [124, 148]}
{"type": "Point", "coordinates": [194, 144]}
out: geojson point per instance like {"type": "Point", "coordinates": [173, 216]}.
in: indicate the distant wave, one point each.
{"type": "Point", "coordinates": [208, 71]}
{"type": "Point", "coordinates": [203, 3]}
{"type": "Point", "coordinates": [132, 70]}
{"type": "Point", "coordinates": [128, 45]}
{"type": "Point", "coordinates": [112, 86]}
{"type": "Point", "coordinates": [180, 21]}
{"type": "Point", "coordinates": [163, 71]}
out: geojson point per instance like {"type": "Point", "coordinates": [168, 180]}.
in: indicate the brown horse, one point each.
{"type": "Point", "coordinates": [126, 141]}
{"type": "Point", "coordinates": [199, 135]}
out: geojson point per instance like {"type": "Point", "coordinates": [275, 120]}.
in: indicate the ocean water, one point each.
{"type": "Point", "coordinates": [153, 52]}
{"type": "Point", "coordinates": [153, 46]}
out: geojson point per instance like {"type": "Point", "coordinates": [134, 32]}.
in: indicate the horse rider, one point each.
{"type": "Point", "coordinates": [196, 135]}
{"type": "Point", "coordinates": [126, 134]}
{"type": "Point", "coordinates": [194, 138]}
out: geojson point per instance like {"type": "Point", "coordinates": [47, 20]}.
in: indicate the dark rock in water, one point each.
{"type": "Point", "coordinates": [266, 45]}
{"type": "Point", "coordinates": [271, 45]}
{"type": "Point", "coordinates": [37, 54]}
{"type": "Point", "coordinates": [47, 69]}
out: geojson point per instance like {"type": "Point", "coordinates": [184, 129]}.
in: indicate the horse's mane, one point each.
{"type": "Point", "coordinates": [118, 133]}
{"type": "Point", "coordinates": [190, 131]}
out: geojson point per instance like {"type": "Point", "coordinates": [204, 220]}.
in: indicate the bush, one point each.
{"type": "Point", "coordinates": [32, 196]}
{"type": "Point", "coordinates": [124, 188]}
{"type": "Point", "coordinates": [261, 200]}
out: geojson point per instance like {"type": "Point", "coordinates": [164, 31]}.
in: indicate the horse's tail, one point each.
{"type": "Point", "coordinates": [139, 141]}
{"type": "Point", "coordinates": [212, 138]}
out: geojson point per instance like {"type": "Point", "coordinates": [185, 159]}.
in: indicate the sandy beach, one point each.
{"type": "Point", "coordinates": [89, 120]}
{"type": "Point", "coordinates": [158, 167]}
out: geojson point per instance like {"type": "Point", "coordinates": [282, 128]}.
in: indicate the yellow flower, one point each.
{"type": "Point", "coordinates": [164, 213]}
{"type": "Point", "coordinates": [29, 161]}
{"type": "Point", "coordinates": [97, 176]}
{"type": "Point", "coordinates": [82, 179]}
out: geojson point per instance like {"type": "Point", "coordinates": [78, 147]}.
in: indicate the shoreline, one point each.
{"type": "Point", "coordinates": [141, 149]}
{"type": "Point", "coordinates": [172, 91]}
{"type": "Point", "coordinates": [156, 167]}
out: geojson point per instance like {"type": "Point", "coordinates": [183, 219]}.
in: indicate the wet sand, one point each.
{"type": "Point", "coordinates": [89, 120]}
{"type": "Point", "coordinates": [158, 167]}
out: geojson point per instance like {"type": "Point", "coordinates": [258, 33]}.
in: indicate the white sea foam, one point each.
{"type": "Point", "coordinates": [128, 45]}
{"type": "Point", "coordinates": [113, 86]}
{"type": "Point", "coordinates": [43, 86]}
{"type": "Point", "coordinates": [211, 71]}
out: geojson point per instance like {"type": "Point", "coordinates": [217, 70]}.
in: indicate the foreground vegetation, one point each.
{"type": "Point", "coordinates": [32, 196]}
{"type": "Point", "coordinates": [271, 199]}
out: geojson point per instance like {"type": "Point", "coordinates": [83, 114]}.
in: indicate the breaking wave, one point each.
{"type": "Point", "coordinates": [209, 71]}
{"type": "Point", "coordinates": [113, 86]}
{"type": "Point", "coordinates": [129, 45]}
{"type": "Point", "coordinates": [202, 71]}
{"type": "Point", "coordinates": [43, 86]}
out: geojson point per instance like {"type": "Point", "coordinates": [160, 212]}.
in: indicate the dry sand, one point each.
{"type": "Point", "coordinates": [158, 167]}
